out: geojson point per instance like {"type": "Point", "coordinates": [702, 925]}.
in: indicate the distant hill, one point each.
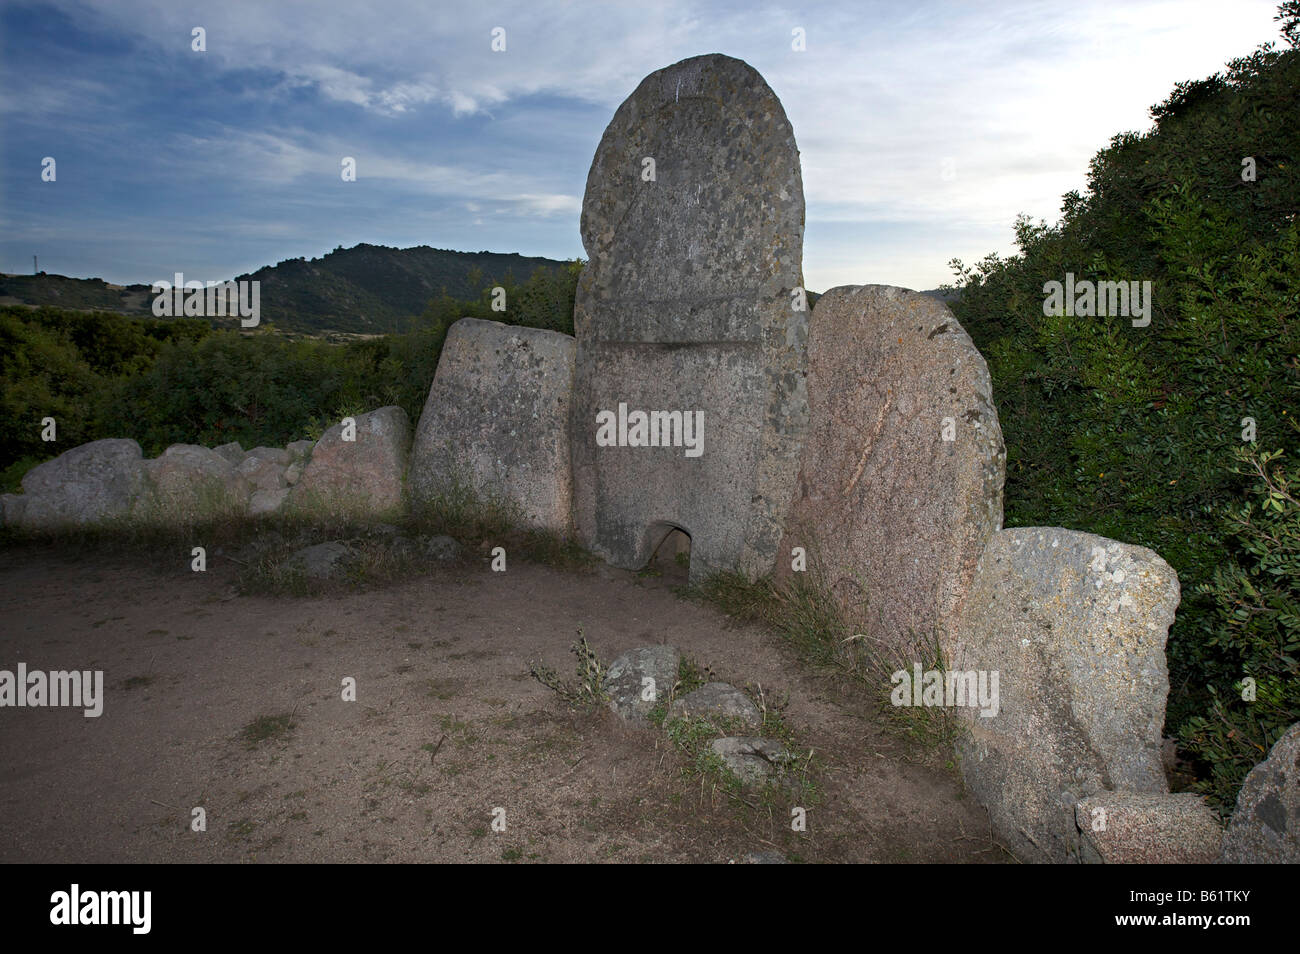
{"type": "Point", "coordinates": [946, 295]}
{"type": "Point", "coordinates": [81, 294]}
{"type": "Point", "coordinates": [368, 289]}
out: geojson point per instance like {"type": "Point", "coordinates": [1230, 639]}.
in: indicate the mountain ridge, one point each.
{"type": "Point", "coordinates": [367, 289]}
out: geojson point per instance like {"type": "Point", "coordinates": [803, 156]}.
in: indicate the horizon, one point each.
{"type": "Point", "coordinates": [462, 148]}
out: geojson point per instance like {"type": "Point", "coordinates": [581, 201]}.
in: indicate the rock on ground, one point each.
{"type": "Point", "coordinates": [1265, 826]}
{"type": "Point", "coordinates": [1074, 626]}
{"type": "Point", "coordinates": [753, 761]}
{"type": "Point", "coordinates": [324, 560]}
{"type": "Point", "coordinates": [85, 485]}
{"type": "Point", "coordinates": [264, 467]}
{"type": "Point", "coordinates": [361, 477]}
{"type": "Point", "coordinates": [232, 452]}
{"type": "Point", "coordinates": [688, 305]}
{"type": "Point", "coordinates": [496, 421]}
{"type": "Point", "coordinates": [267, 501]}
{"type": "Point", "coordinates": [717, 700]}
{"type": "Point", "coordinates": [625, 683]}
{"type": "Point", "coordinates": [189, 482]}
{"type": "Point", "coordinates": [1149, 828]}
{"type": "Point", "coordinates": [900, 479]}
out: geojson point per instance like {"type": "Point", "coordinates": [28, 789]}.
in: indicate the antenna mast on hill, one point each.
{"type": "Point", "coordinates": [35, 270]}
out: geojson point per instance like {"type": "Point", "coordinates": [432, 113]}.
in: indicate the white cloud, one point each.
{"type": "Point", "coordinates": [1019, 96]}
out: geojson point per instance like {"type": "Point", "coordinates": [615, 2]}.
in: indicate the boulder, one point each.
{"type": "Point", "coordinates": [189, 482]}
{"type": "Point", "coordinates": [360, 477]}
{"type": "Point", "coordinates": [689, 402]}
{"type": "Point", "coordinates": [267, 501]}
{"type": "Point", "coordinates": [1074, 626]}
{"type": "Point", "coordinates": [900, 478]}
{"type": "Point", "coordinates": [264, 467]}
{"type": "Point", "coordinates": [232, 452]}
{"type": "Point", "coordinates": [496, 421]}
{"type": "Point", "coordinates": [1149, 828]}
{"type": "Point", "coordinates": [441, 547]}
{"type": "Point", "coordinates": [1265, 826]}
{"type": "Point", "coordinates": [625, 683]}
{"type": "Point", "coordinates": [751, 760]}
{"type": "Point", "coordinates": [717, 701]}
{"type": "Point", "coordinates": [324, 561]}
{"type": "Point", "coordinates": [299, 450]}
{"type": "Point", "coordinates": [85, 485]}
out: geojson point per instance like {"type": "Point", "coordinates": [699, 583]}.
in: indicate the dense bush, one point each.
{"type": "Point", "coordinates": [1133, 432]}
{"type": "Point", "coordinates": [171, 381]}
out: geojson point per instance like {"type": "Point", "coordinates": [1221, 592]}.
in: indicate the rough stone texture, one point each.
{"type": "Point", "coordinates": [891, 514]}
{"type": "Point", "coordinates": [764, 858]}
{"type": "Point", "coordinates": [264, 467]}
{"type": "Point", "coordinates": [496, 420]}
{"type": "Point", "coordinates": [441, 547]}
{"type": "Point", "coordinates": [324, 560]}
{"type": "Point", "coordinates": [12, 509]}
{"type": "Point", "coordinates": [84, 485]}
{"type": "Point", "coordinates": [188, 482]}
{"type": "Point", "coordinates": [686, 305]}
{"type": "Point", "coordinates": [299, 450]}
{"type": "Point", "coordinates": [275, 455]}
{"type": "Point", "coordinates": [233, 452]}
{"type": "Point", "coordinates": [1265, 825]}
{"type": "Point", "coordinates": [716, 700]}
{"type": "Point", "coordinates": [1145, 828]}
{"type": "Point", "coordinates": [267, 501]}
{"type": "Point", "coordinates": [1075, 626]}
{"type": "Point", "coordinates": [753, 761]}
{"type": "Point", "coordinates": [293, 473]}
{"type": "Point", "coordinates": [623, 680]}
{"type": "Point", "coordinates": [361, 477]}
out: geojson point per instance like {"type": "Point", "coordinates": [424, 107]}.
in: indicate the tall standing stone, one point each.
{"type": "Point", "coordinates": [1265, 826]}
{"type": "Point", "coordinates": [1074, 625]}
{"type": "Point", "coordinates": [496, 422]}
{"type": "Point", "coordinates": [900, 483]}
{"type": "Point", "coordinates": [693, 225]}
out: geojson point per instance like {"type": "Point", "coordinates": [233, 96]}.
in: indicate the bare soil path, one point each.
{"type": "Point", "coordinates": [447, 727]}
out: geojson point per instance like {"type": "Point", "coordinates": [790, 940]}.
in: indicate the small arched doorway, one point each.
{"type": "Point", "coordinates": [670, 553]}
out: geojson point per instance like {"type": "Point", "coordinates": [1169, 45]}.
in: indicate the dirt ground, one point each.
{"type": "Point", "coordinates": [448, 727]}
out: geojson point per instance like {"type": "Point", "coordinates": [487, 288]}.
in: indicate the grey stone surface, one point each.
{"type": "Point", "coordinates": [264, 467]}
{"type": "Point", "coordinates": [1265, 825]}
{"type": "Point", "coordinates": [267, 501]}
{"type": "Point", "coordinates": [764, 858]}
{"type": "Point", "coordinates": [624, 680]}
{"type": "Point", "coordinates": [232, 452]}
{"type": "Point", "coordinates": [12, 509]}
{"type": "Point", "coordinates": [275, 455]}
{"type": "Point", "coordinates": [293, 473]}
{"type": "Point", "coordinates": [894, 515]}
{"type": "Point", "coordinates": [1075, 627]}
{"type": "Point", "coordinates": [299, 450]}
{"type": "Point", "coordinates": [1149, 828]}
{"type": "Point", "coordinates": [189, 482]}
{"type": "Point", "coordinates": [496, 421]}
{"type": "Point", "coordinates": [686, 305]}
{"type": "Point", "coordinates": [362, 477]}
{"type": "Point", "coordinates": [84, 485]}
{"type": "Point", "coordinates": [751, 760]}
{"type": "Point", "coordinates": [324, 560]}
{"type": "Point", "coordinates": [441, 547]}
{"type": "Point", "coordinates": [717, 700]}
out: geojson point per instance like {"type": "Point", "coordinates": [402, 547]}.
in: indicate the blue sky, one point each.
{"type": "Point", "coordinates": [924, 128]}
